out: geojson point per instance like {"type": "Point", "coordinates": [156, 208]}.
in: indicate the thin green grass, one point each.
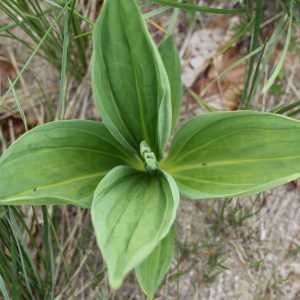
{"type": "Point", "coordinates": [254, 85]}
{"type": "Point", "coordinates": [252, 72]}
{"type": "Point", "coordinates": [19, 106]}
{"type": "Point", "coordinates": [35, 51]}
{"type": "Point", "coordinates": [200, 8]}
{"type": "Point", "coordinates": [42, 265]}
{"type": "Point", "coordinates": [34, 18]}
{"type": "Point", "coordinates": [17, 266]}
{"type": "Point", "coordinates": [283, 55]}
{"type": "Point", "coordinates": [3, 289]}
{"type": "Point", "coordinates": [68, 15]}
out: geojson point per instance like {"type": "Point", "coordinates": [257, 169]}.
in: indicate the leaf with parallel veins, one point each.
{"type": "Point", "coordinates": [59, 163]}
{"type": "Point", "coordinates": [130, 83]}
{"type": "Point", "coordinates": [171, 60]}
{"type": "Point", "coordinates": [151, 272]}
{"type": "Point", "coordinates": [132, 212]}
{"type": "Point", "coordinates": [231, 153]}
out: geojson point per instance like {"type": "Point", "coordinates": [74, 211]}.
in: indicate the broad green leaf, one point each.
{"type": "Point", "coordinates": [231, 153]}
{"type": "Point", "coordinates": [132, 212]}
{"type": "Point", "coordinates": [171, 60]}
{"type": "Point", "coordinates": [151, 272]}
{"type": "Point", "coordinates": [58, 163]}
{"type": "Point", "coordinates": [130, 82]}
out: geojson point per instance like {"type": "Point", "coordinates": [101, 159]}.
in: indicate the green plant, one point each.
{"type": "Point", "coordinates": [120, 169]}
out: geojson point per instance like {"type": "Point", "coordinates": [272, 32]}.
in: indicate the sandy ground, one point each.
{"type": "Point", "coordinates": [261, 254]}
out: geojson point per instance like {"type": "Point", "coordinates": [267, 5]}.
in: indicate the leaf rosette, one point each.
{"type": "Point", "coordinates": [120, 168]}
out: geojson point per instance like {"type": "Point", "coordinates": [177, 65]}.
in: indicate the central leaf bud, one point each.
{"type": "Point", "coordinates": [148, 157]}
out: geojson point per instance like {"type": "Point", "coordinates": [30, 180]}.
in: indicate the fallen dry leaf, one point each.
{"type": "Point", "coordinates": [204, 45]}
{"type": "Point", "coordinates": [7, 70]}
{"type": "Point", "coordinates": [225, 89]}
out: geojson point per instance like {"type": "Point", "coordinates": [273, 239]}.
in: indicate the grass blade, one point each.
{"type": "Point", "coordinates": [19, 106]}
{"type": "Point", "coordinates": [280, 64]}
{"type": "Point", "coordinates": [155, 12]}
{"type": "Point", "coordinates": [229, 68]}
{"type": "Point", "coordinates": [49, 252]}
{"type": "Point", "coordinates": [285, 108]}
{"type": "Point", "coordinates": [3, 289]}
{"type": "Point", "coordinates": [252, 74]}
{"type": "Point", "coordinates": [200, 8]}
{"type": "Point", "coordinates": [33, 54]}
{"type": "Point", "coordinates": [64, 63]}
